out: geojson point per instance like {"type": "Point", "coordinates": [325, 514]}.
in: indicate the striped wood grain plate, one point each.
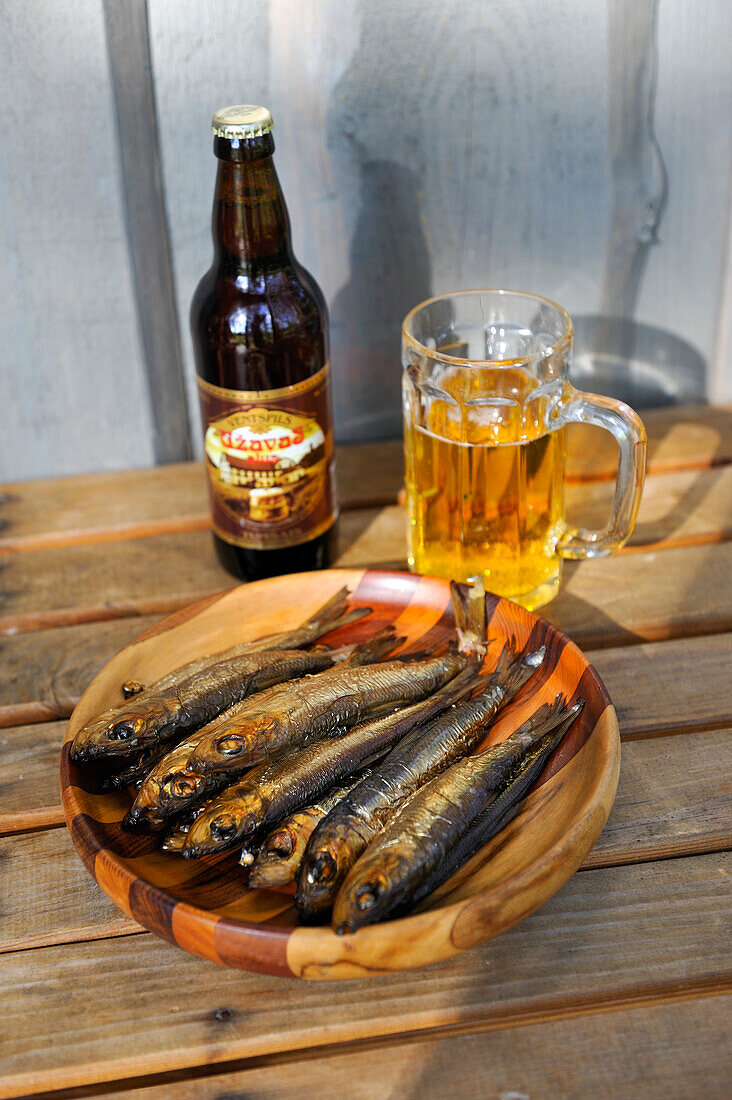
{"type": "Point", "coordinates": [204, 906]}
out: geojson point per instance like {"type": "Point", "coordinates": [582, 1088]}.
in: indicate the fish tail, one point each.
{"type": "Point", "coordinates": [552, 718]}
{"type": "Point", "coordinates": [331, 609]}
{"type": "Point", "coordinates": [331, 616]}
{"type": "Point", "coordinates": [513, 671]}
{"type": "Point", "coordinates": [383, 643]}
{"type": "Point", "coordinates": [468, 605]}
{"type": "Point", "coordinates": [349, 617]}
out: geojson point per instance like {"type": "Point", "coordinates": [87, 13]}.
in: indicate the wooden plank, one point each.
{"type": "Point", "coordinates": [128, 504]}
{"type": "Point", "coordinates": [128, 47]}
{"type": "Point", "coordinates": [666, 687]}
{"type": "Point", "coordinates": [45, 673]}
{"type": "Point", "coordinates": [620, 937]}
{"type": "Point", "coordinates": [665, 1051]}
{"type": "Point", "coordinates": [46, 895]}
{"type": "Point", "coordinates": [672, 800]}
{"type": "Point", "coordinates": [100, 507]}
{"type": "Point", "coordinates": [29, 791]}
{"type": "Point", "coordinates": [678, 509]}
{"type": "Point", "coordinates": [115, 580]}
{"type": "Point", "coordinates": [604, 602]}
{"type": "Point", "coordinates": [164, 500]}
{"type": "Point", "coordinates": [649, 596]}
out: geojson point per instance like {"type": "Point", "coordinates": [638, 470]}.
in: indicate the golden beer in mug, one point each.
{"type": "Point", "coordinates": [486, 398]}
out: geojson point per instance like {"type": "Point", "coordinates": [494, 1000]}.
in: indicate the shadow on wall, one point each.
{"type": "Point", "coordinates": [645, 366]}
{"type": "Point", "coordinates": [390, 272]}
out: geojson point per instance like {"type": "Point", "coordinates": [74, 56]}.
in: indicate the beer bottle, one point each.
{"type": "Point", "coordinates": [260, 332]}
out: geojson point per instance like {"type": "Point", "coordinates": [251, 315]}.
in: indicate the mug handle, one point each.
{"type": "Point", "coordinates": [627, 427]}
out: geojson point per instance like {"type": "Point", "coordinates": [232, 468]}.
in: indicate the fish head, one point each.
{"type": "Point", "coordinates": [235, 747]}
{"type": "Point", "coordinates": [322, 870]}
{"type": "Point", "coordinates": [144, 815]}
{"type": "Point", "coordinates": [124, 732]}
{"type": "Point", "coordinates": [178, 788]}
{"type": "Point", "coordinates": [369, 893]}
{"type": "Point", "coordinates": [89, 742]}
{"type": "Point", "coordinates": [225, 824]}
{"type": "Point", "coordinates": [280, 844]}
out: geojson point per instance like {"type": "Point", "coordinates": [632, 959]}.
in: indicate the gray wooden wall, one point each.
{"type": "Point", "coordinates": [577, 148]}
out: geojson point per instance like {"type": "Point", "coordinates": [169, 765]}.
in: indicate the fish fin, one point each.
{"type": "Point", "coordinates": [332, 615]}
{"type": "Point", "coordinates": [352, 616]}
{"type": "Point", "coordinates": [468, 605]}
{"type": "Point", "coordinates": [552, 718]}
{"type": "Point", "coordinates": [331, 609]}
{"type": "Point", "coordinates": [513, 672]}
{"type": "Point", "coordinates": [383, 643]}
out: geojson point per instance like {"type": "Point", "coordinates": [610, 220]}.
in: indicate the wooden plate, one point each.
{"type": "Point", "coordinates": [204, 906]}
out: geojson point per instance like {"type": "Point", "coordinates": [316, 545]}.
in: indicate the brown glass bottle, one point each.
{"type": "Point", "coordinates": [260, 332]}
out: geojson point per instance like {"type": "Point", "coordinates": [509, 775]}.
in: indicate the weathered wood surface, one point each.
{"type": "Point", "coordinates": [669, 1050]}
{"type": "Point", "coordinates": [144, 576]}
{"type": "Point", "coordinates": [137, 503]}
{"type": "Point", "coordinates": [642, 934]}
{"type": "Point", "coordinates": [673, 800]}
{"type": "Point", "coordinates": [47, 897]}
{"type": "Point", "coordinates": [676, 686]}
{"type": "Point", "coordinates": [45, 672]}
{"type": "Point", "coordinates": [650, 695]}
{"type": "Point", "coordinates": [29, 792]}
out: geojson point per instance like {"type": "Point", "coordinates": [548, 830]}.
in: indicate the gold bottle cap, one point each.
{"type": "Point", "coordinates": [245, 121]}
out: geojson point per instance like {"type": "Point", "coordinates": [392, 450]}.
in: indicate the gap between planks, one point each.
{"type": "Point", "coordinates": [618, 936]}
{"type": "Point", "coordinates": [648, 996]}
{"type": "Point", "coordinates": [559, 1064]}
{"type": "Point", "coordinates": [671, 803]}
{"type": "Point", "coordinates": [172, 499]}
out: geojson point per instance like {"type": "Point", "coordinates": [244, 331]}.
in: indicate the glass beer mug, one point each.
{"type": "Point", "coordinates": [486, 398]}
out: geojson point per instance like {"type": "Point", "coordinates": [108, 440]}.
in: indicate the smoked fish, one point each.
{"type": "Point", "coordinates": [304, 773]}
{"type": "Point", "coordinates": [174, 702]}
{"type": "Point", "coordinates": [343, 835]}
{"type": "Point", "coordinates": [175, 784]}
{"type": "Point", "coordinates": [419, 838]}
{"type": "Point", "coordinates": [338, 699]}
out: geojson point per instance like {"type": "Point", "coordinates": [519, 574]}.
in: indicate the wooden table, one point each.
{"type": "Point", "coordinates": [618, 987]}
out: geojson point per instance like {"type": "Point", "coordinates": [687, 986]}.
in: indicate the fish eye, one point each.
{"type": "Point", "coordinates": [367, 896]}
{"type": "Point", "coordinates": [282, 846]}
{"type": "Point", "coordinates": [182, 785]}
{"type": "Point", "coordinates": [122, 731]}
{"type": "Point", "coordinates": [223, 827]}
{"type": "Point", "coordinates": [323, 868]}
{"type": "Point", "coordinates": [231, 745]}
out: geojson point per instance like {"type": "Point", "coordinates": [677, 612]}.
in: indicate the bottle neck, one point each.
{"type": "Point", "coordinates": [250, 219]}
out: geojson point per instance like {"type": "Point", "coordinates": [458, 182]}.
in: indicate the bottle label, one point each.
{"type": "Point", "coordinates": [270, 462]}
